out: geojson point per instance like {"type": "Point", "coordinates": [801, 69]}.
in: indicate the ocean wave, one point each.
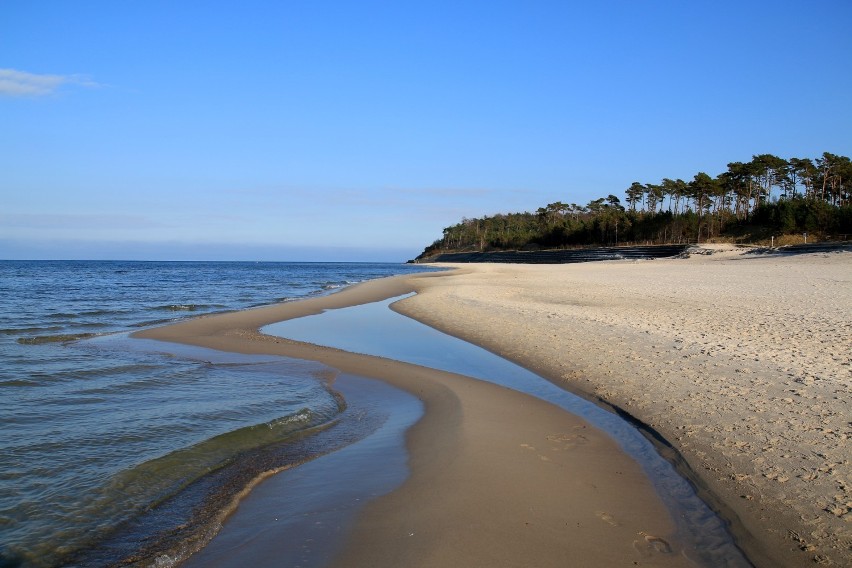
{"type": "Point", "coordinates": [20, 330]}
{"type": "Point", "coordinates": [150, 323]}
{"type": "Point", "coordinates": [61, 338]}
{"type": "Point", "coordinates": [281, 300]}
{"type": "Point", "coordinates": [101, 312]}
{"type": "Point", "coordinates": [19, 383]}
{"type": "Point", "coordinates": [186, 307]}
{"type": "Point", "coordinates": [336, 284]}
{"type": "Point", "coordinates": [62, 315]}
{"type": "Point", "coordinates": [154, 495]}
{"type": "Point", "coordinates": [157, 479]}
{"type": "Point", "coordinates": [149, 378]}
{"type": "Point", "coordinates": [158, 490]}
{"type": "Point", "coordinates": [179, 307]}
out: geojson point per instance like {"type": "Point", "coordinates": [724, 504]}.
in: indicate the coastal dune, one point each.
{"type": "Point", "coordinates": [740, 360]}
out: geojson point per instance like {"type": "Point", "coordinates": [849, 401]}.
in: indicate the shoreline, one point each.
{"type": "Point", "coordinates": [581, 493]}
{"type": "Point", "coordinates": [678, 344]}
{"type": "Point", "coordinates": [741, 362]}
{"type": "Point", "coordinates": [328, 488]}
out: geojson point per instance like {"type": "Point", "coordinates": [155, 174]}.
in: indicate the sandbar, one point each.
{"type": "Point", "coordinates": [497, 477]}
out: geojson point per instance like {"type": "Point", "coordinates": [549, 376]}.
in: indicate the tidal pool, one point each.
{"type": "Point", "coordinates": [375, 329]}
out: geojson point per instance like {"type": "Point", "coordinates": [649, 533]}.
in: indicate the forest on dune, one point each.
{"type": "Point", "coordinates": [766, 199]}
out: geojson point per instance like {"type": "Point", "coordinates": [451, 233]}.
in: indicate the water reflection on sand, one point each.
{"type": "Point", "coordinates": [375, 329]}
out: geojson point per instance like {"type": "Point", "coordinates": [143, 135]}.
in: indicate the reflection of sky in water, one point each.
{"type": "Point", "coordinates": [375, 329]}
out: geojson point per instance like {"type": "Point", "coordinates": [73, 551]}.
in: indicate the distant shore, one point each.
{"type": "Point", "coordinates": [740, 360]}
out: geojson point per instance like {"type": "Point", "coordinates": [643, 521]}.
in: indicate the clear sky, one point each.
{"type": "Point", "coordinates": [320, 130]}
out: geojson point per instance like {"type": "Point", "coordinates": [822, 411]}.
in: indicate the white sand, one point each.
{"type": "Point", "coordinates": [741, 361]}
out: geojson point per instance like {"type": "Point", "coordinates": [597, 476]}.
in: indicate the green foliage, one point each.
{"type": "Point", "coordinates": [768, 195]}
{"type": "Point", "coordinates": [805, 215]}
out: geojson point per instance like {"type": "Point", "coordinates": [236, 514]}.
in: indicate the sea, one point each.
{"type": "Point", "coordinates": [110, 447]}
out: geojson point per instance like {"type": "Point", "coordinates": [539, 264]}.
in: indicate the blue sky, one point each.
{"type": "Point", "coordinates": [357, 131]}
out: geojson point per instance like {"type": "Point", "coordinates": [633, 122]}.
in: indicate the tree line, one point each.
{"type": "Point", "coordinates": [748, 202]}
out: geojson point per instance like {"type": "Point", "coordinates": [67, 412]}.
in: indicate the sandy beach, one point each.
{"type": "Point", "coordinates": [740, 361]}
{"type": "Point", "coordinates": [537, 489]}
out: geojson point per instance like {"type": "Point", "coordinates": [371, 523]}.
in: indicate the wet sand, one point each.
{"type": "Point", "coordinates": [740, 360]}
{"type": "Point", "coordinates": [497, 477]}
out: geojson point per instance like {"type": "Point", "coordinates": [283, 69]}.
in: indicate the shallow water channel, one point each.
{"type": "Point", "coordinates": [375, 329]}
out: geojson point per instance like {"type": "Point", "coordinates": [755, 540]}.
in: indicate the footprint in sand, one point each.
{"type": "Point", "coordinates": [532, 448]}
{"type": "Point", "coordinates": [567, 440]}
{"type": "Point", "coordinates": [651, 544]}
{"type": "Point", "coordinates": [607, 518]}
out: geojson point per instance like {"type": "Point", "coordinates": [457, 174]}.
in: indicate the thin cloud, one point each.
{"type": "Point", "coordinates": [72, 221]}
{"type": "Point", "coordinates": [444, 191]}
{"type": "Point", "coordinates": [15, 83]}
{"type": "Point", "coordinates": [464, 192]}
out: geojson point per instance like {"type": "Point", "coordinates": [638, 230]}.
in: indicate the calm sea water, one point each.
{"type": "Point", "coordinates": [108, 443]}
